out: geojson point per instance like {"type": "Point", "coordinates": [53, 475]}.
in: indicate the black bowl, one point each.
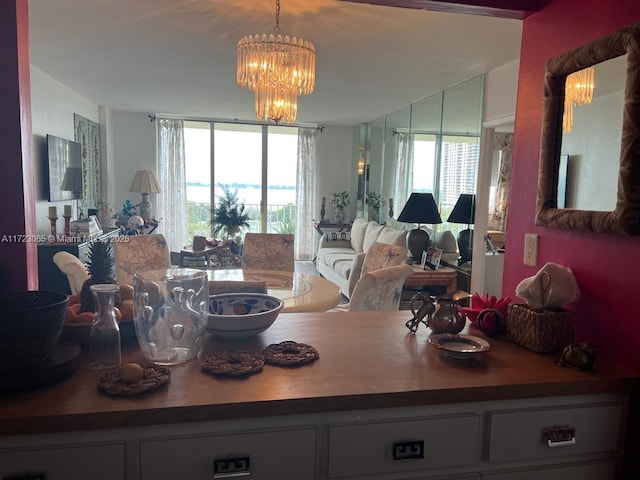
{"type": "Point", "coordinates": [30, 325]}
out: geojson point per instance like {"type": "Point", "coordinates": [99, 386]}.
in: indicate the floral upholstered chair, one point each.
{"type": "Point", "coordinates": [378, 290]}
{"type": "Point", "coordinates": [268, 251]}
{"type": "Point", "coordinates": [138, 254]}
{"type": "Point", "coordinates": [383, 255]}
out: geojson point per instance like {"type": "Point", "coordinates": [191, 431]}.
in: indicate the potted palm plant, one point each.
{"type": "Point", "coordinates": [229, 217]}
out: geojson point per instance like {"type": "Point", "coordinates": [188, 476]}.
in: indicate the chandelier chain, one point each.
{"type": "Point", "coordinates": [276, 29]}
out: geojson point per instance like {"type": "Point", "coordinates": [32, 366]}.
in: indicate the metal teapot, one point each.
{"type": "Point", "coordinates": [441, 314]}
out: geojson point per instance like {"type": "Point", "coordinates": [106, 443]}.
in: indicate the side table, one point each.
{"type": "Point", "coordinates": [191, 253]}
{"type": "Point", "coordinates": [434, 282]}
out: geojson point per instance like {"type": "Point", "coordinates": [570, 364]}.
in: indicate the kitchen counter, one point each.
{"type": "Point", "coordinates": [368, 360]}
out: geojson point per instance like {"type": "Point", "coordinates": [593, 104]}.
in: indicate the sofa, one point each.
{"type": "Point", "coordinates": [341, 254]}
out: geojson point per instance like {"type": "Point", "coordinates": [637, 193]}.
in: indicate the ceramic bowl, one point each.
{"type": "Point", "coordinates": [30, 325]}
{"type": "Point", "coordinates": [235, 313]}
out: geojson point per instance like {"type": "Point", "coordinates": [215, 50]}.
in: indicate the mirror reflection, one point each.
{"type": "Point", "coordinates": [588, 175]}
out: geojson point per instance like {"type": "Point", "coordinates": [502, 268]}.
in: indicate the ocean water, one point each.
{"type": "Point", "coordinates": [247, 195]}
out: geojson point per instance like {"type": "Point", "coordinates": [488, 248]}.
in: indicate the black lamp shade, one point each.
{"type": "Point", "coordinates": [464, 211]}
{"type": "Point", "coordinates": [420, 208]}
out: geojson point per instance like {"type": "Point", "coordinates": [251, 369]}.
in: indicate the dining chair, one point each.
{"type": "Point", "coordinates": [383, 255]}
{"type": "Point", "coordinates": [378, 290]}
{"type": "Point", "coordinates": [73, 268]}
{"type": "Point", "coordinates": [138, 254]}
{"type": "Point", "coordinates": [268, 251]}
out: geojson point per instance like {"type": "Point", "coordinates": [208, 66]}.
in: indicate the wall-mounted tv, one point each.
{"type": "Point", "coordinates": [65, 169]}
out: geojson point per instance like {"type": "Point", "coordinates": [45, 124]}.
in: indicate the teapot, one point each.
{"type": "Point", "coordinates": [443, 314]}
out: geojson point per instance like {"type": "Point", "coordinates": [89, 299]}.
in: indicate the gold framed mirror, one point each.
{"type": "Point", "coordinates": [625, 218]}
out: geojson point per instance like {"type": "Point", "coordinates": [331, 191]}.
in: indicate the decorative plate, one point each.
{"type": "Point", "coordinates": [459, 345]}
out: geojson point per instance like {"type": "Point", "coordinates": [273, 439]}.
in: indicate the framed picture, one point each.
{"type": "Point", "coordinates": [433, 257]}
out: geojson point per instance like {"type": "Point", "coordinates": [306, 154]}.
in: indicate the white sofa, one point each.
{"type": "Point", "coordinates": [340, 255]}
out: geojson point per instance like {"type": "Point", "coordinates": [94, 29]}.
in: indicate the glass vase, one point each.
{"type": "Point", "coordinates": [104, 337]}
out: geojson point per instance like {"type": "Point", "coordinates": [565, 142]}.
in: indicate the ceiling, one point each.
{"type": "Point", "coordinates": [178, 57]}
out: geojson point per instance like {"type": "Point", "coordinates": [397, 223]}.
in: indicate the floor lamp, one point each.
{"type": "Point", "coordinates": [464, 212]}
{"type": "Point", "coordinates": [420, 208]}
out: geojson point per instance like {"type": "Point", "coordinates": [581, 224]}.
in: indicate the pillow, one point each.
{"type": "Point", "coordinates": [392, 236]}
{"type": "Point", "coordinates": [337, 236]}
{"type": "Point", "coordinates": [357, 233]}
{"type": "Point", "coordinates": [371, 235]}
{"type": "Point", "coordinates": [446, 242]}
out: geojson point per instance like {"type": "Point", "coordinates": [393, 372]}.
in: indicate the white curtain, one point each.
{"type": "Point", "coordinates": [306, 238]}
{"type": "Point", "coordinates": [172, 202]}
{"type": "Point", "coordinates": [404, 171]}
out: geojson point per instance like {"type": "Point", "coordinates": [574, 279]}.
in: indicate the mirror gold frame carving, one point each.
{"type": "Point", "coordinates": [625, 219]}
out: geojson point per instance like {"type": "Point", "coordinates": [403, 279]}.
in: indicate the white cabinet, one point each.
{"type": "Point", "coordinates": [554, 432]}
{"type": "Point", "coordinates": [262, 455]}
{"type": "Point", "coordinates": [97, 462]}
{"type": "Point", "coordinates": [410, 445]}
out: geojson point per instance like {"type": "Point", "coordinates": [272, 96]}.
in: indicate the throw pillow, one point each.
{"type": "Point", "coordinates": [393, 237]}
{"type": "Point", "coordinates": [371, 235]}
{"type": "Point", "coordinates": [337, 236]}
{"type": "Point", "coordinates": [357, 233]}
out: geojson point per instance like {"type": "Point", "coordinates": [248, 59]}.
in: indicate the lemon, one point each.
{"type": "Point", "coordinates": [131, 372]}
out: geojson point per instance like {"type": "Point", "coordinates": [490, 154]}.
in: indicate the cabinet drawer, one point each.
{"type": "Point", "coordinates": [261, 455]}
{"type": "Point", "coordinates": [520, 435]}
{"type": "Point", "coordinates": [598, 471]}
{"type": "Point", "coordinates": [390, 447]}
{"type": "Point", "coordinates": [103, 462]}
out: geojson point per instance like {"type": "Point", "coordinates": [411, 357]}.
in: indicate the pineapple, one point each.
{"type": "Point", "coordinates": [100, 268]}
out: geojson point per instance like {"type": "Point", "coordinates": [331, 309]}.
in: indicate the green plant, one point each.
{"type": "Point", "coordinates": [229, 215]}
{"type": "Point", "coordinates": [340, 199]}
{"type": "Point", "coordinates": [101, 270]}
{"type": "Point", "coordinates": [375, 200]}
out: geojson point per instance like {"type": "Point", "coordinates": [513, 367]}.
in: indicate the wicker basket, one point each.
{"type": "Point", "coordinates": [546, 331]}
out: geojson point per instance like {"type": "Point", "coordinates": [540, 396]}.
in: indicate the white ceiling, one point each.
{"type": "Point", "coordinates": [178, 56]}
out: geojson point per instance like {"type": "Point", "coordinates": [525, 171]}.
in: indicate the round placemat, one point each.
{"type": "Point", "coordinates": [154, 377]}
{"type": "Point", "coordinates": [290, 354]}
{"type": "Point", "coordinates": [231, 363]}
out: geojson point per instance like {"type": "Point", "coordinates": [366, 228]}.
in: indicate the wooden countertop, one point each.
{"type": "Point", "coordinates": [367, 360]}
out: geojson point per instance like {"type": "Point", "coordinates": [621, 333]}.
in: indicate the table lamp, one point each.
{"type": "Point", "coordinates": [145, 182]}
{"type": "Point", "coordinates": [464, 211]}
{"type": "Point", "coordinates": [420, 208]}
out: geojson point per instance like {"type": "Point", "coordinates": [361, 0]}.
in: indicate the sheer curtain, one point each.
{"type": "Point", "coordinates": [404, 170]}
{"type": "Point", "coordinates": [504, 143]}
{"type": "Point", "coordinates": [306, 238]}
{"type": "Point", "coordinates": [172, 202]}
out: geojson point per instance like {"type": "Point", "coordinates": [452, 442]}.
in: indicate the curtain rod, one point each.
{"type": "Point", "coordinates": [152, 118]}
{"type": "Point", "coordinates": [424, 132]}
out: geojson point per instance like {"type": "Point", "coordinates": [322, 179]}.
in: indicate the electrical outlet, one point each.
{"type": "Point", "coordinates": [530, 249]}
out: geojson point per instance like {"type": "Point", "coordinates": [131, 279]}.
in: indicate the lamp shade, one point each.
{"type": "Point", "coordinates": [145, 181]}
{"type": "Point", "coordinates": [464, 210]}
{"type": "Point", "coordinates": [420, 208]}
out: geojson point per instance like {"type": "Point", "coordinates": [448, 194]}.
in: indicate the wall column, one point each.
{"type": "Point", "coordinates": [18, 250]}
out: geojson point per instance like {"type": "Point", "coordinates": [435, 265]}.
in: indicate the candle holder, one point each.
{"type": "Point", "coordinates": [53, 221]}
{"type": "Point", "coordinates": [67, 225]}
{"type": "Point", "coordinates": [322, 212]}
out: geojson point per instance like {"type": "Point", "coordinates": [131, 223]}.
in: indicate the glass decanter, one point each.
{"type": "Point", "coordinates": [104, 338]}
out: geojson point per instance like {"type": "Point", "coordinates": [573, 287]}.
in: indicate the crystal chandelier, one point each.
{"type": "Point", "coordinates": [277, 70]}
{"type": "Point", "coordinates": [578, 90]}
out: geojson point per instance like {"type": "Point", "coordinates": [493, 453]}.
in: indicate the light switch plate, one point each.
{"type": "Point", "coordinates": [531, 249]}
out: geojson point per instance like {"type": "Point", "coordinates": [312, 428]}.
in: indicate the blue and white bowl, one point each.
{"type": "Point", "coordinates": [242, 315]}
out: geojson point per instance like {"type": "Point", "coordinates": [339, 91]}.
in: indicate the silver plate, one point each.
{"type": "Point", "coordinates": [459, 345]}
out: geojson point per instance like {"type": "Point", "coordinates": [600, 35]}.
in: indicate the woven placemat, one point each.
{"type": "Point", "coordinates": [231, 363]}
{"type": "Point", "coordinates": [290, 354]}
{"type": "Point", "coordinates": [154, 376]}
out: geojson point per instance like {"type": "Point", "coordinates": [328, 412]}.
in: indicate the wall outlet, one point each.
{"type": "Point", "coordinates": [530, 249]}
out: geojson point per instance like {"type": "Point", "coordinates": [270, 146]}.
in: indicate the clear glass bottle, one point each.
{"type": "Point", "coordinates": [104, 338]}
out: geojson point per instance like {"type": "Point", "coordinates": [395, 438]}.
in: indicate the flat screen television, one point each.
{"type": "Point", "coordinates": [65, 169]}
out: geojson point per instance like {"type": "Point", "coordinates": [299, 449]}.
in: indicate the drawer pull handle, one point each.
{"type": "Point", "coordinates": [233, 467]}
{"type": "Point", "coordinates": [560, 436]}
{"type": "Point", "coordinates": [408, 450]}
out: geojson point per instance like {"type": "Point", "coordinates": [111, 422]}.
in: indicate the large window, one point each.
{"type": "Point", "coordinates": [257, 162]}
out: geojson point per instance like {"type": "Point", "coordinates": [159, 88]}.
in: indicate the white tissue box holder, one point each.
{"type": "Point", "coordinates": [540, 331]}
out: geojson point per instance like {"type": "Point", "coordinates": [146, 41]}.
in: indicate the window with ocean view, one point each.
{"type": "Point", "coordinates": [258, 162]}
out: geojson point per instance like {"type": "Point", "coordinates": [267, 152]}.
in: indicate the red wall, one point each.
{"type": "Point", "coordinates": [607, 267]}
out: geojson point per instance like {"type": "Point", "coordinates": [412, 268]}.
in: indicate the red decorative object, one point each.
{"type": "Point", "coordinates": [479, 303]}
